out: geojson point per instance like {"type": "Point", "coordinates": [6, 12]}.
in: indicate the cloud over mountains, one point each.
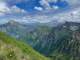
{"type": "Point", "coordinates": [19, 10]}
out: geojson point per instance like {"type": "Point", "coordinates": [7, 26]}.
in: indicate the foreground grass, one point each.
{"type": "Point", "coordinates": [10, 49]}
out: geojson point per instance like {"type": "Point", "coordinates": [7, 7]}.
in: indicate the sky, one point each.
{"type": "Point", "coordinates": [35, 10]}
{"type": "Point", "coordinates": [37, 5]}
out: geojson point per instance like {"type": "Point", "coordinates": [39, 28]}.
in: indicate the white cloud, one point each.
{"type": "Point", "coordinates": [71, 15]}
{"type": "Point", "coordinates": [45, 4]}
{"type": "Point", "coordinates": [55, 7]}
{"type": "Point", "coordinates": [38, 8]}
{"type": "Point", "coordinates": [4, 9]}
{"type": "Point", "coordinates": [73, 2]}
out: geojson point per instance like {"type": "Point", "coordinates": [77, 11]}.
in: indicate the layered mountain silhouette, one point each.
{"type": "Point", "coordinates": [61, 42]}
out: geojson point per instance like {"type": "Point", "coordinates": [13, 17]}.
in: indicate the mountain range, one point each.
{"type": "Point", "coordinates": [60, 42]}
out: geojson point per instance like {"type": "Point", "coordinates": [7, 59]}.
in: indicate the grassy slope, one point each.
{"type": "Point", "coordinates": [17, 50]}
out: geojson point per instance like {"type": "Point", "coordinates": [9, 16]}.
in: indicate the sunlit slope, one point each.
{"type": "Point", "coordinates": [10, 49]}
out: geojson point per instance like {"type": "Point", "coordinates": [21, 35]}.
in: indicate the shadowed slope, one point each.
{"type": "Point", "coordinates": [10, 49]}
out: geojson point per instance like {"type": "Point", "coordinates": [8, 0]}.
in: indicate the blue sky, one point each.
{"type": "Point", "coordinates": [38, 5]}
{"type": "Point", "coordinates": [29, 5]}
{"type": "Point", "coordinates": [22, 9]}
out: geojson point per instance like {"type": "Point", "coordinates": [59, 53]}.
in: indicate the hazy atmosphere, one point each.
{"type": "Point", "coordinates": [39, 29]}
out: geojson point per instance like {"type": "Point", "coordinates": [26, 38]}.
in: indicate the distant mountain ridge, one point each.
{"type": "Point", "coordinates": [62, 40]}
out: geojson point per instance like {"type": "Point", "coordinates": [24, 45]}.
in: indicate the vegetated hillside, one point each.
{"type": "Point", "coordinates": [10, 49]}
{"type": "Point", "coordinates": [61, 42]}
{"type": "Point", "coordinates": [65, 42]}
{"type": "Point", "coordinates": [33, 34]}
